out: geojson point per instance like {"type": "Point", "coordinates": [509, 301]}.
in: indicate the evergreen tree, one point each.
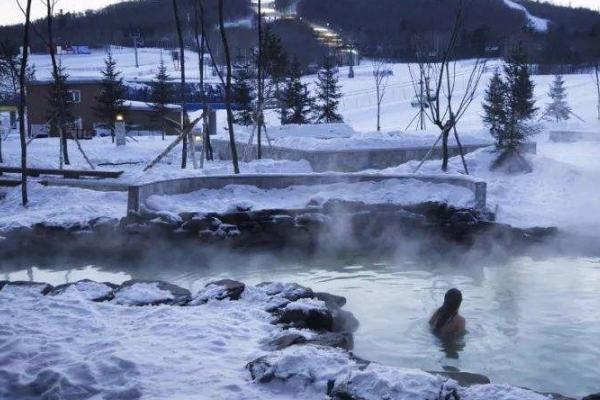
{"type": "Point", "coordinates": [296, 102]}
{"type": "Point", "coordinates": [59, 102]}
{"type": "Point", "coordinates": [276, 67]}
{"type": "Point", "coordinates": [494, 107]}
{"type": "Point", "coordinates": [520, 85]}
{"type": "Point", "coordinates": [110, 101]}
{"type": "Point", "coordinates": [559, 109]}
{"type": "Point", "coordinates": [520, 108]}
{"type": "Point", "coordinates": [161, 95]}
{"type": "Point", "coordinates": [244, 95]}
{"type": "Point", "coordinates": [328, 95]}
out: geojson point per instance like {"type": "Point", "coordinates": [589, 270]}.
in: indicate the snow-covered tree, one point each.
{"type": "Point", "coordinates": [296, 102]}
{"type": "Point", "coordinates": [494, 107]}
{"type": "Point", "coordinates": [558, 110]}
{"type": "Point", "coordinates": [244, 95]}
{"type": "Point", "coordinates": [110, 101]}
{"type": "Point", "coordinates": [328, 94]}
{"type": "Point", "coordinates": [509, 109]}
{"type": "Point", "coordinates": [161, 95]}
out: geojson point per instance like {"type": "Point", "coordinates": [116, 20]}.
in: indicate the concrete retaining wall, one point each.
{"type": "Point", "coordinates": [140, 193]}
{"type": "Point", "coordinates": [347, 160]}
{"type": "Point", "coordinates": [574, 136]}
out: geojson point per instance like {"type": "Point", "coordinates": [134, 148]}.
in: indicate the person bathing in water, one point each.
{"type": "Point", "coordinates": [446, 322]}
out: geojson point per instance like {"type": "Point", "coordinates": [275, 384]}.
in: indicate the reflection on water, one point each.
{"type": "Point", "coordinates": [532, 323]}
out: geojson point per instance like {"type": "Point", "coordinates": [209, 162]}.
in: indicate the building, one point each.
{"type": "Point", "coordinates": [83, 94]}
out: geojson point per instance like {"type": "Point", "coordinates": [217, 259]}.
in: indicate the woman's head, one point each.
{"type": "Point", "coordinates": [452, 302]}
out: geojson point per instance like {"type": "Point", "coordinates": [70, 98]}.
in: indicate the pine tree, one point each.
{"type": "Point", "coordinates": [110, 101]}
{"type": "Point", "coordinates": [494, 107]}
{"type": "Point", "coordinates": [520, 85]}
{"type": "Point", "coordinates": [276, 67]}
{"type": "Point", "coordinates": [244, 95]}
{"type": "Point", "coordinates": [296, 102]}
{"type": "Point", "coordinates": [559, 109]}
{"type": "Point", "coordinates": [328, 95]}
{"type": "Point", "coordinates": [520, 107]}
{"type": "Point", "coordinates": [161, 95]}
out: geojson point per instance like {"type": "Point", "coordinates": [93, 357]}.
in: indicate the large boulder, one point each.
{"type": "Point", "coordinates": [90, 290]}
{"type": "Point", "coordinates": [219, 290]}
{"type": "Point", "coordinates": [288, 291]}
{"type": "Point", "coordinates": [301, 368]}
{"type": "Point", "coordinates": [150, 293]}
{"type": "Point", "coordinates": [381, 382]}
{"type": "Point", "coordinates": [307, 314]}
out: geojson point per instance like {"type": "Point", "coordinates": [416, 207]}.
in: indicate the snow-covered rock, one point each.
{"type": "Point", "coordinates": [88, 289]}
{"type": "Point", "coordinates": [141, 293]}
{"type": "Point", "coordinates": [219, 290]}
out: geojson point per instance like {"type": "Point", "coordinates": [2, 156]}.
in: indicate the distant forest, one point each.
{"type": "Point", "coordinates": [395, 29]}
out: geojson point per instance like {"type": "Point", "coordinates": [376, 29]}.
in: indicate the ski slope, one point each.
{"type": "Point", "coordinates": [537, 23]}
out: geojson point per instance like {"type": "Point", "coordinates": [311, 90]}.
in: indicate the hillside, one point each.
{"type": "Point", "coordinates": [390, 27]}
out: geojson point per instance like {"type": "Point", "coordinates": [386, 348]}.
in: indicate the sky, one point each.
{"type": "Point", "coordinates": [10, 13]}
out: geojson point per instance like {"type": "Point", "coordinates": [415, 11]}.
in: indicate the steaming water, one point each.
{"type": "Point", "coordinates": [532, 323]}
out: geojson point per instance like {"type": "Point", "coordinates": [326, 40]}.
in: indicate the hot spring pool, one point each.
{"type": "Point", "coordinates": [531, 323]}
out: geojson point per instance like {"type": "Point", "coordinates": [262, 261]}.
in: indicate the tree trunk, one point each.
{"type": "Point", "coordinates": [445, 135]}
{"type": "Point", "coordinates": [260, 84]}
{"type": "Point", "coordinates": [23, 103]}
{"type": "Point", "coordinates": [182, 94]}
{"type": "Point", "coordinates": [61, 120]}
{"type": "Point", "coordinates": [598, 88]}
{"type": "Point", "coordinates": [232, 144]}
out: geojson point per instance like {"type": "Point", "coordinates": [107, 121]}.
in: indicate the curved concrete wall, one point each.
{"type": "Point", "coordinates": [349, 160]}
{"type": "Point", "coordinates": [140, 193]}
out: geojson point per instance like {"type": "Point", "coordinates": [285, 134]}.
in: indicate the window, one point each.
{"type": "Point", "coordinates": [75, 96]}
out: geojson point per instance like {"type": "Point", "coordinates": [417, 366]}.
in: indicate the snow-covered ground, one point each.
{"type": "Point", "coordinates": [68, 347]}
{"type": "Point", "coordinates": [82, 66]}
{"type": "Point", "coordinates": [560, 192]}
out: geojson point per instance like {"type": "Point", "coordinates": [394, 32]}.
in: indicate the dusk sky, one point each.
{"type": "Point", "coordinates": [10, 13]}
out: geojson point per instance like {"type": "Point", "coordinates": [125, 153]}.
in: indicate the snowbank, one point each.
{"type": "Point", "coordinates": [234, 197]}
{"type": "Point", "coordinates": [65, 346]}
{"type": "Point", "coordinates": [562, 190]}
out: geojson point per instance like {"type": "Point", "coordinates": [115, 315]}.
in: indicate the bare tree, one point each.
{"type": "Point", "coordinates": [23, 102]}
{"type": "Point", "coordinates": [200, 35]}
{"type": "Point", "coordinates": [596, 77]}
{"type": "Point", "coordinates": [228, 94]}
{"type": "Point", "coordinates": [381, 74]}
{"type": "Point", "coordinates": [446, 104]}
{"type": "Point", "coordinates": [56, 74]}
{"type": "Point", "coordinates": [260, 84]}
{"type": "Point", "coordinates": [182, 94]}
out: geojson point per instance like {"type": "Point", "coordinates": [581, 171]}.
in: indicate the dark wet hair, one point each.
{"type": "Point", "coordinates": [452, 302]}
